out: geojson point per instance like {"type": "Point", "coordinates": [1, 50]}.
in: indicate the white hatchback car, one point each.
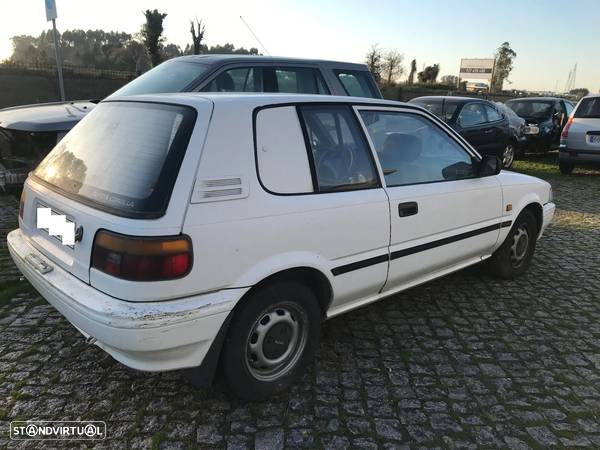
{"type": "Point", "coordinates": [192, 231]}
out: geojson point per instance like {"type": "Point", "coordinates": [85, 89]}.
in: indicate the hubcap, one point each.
{"type": "Point", "coordinates": [519, 247]}
{"type": "Point", "coordinates": [508, 156]}
{"type": "Point", "coordinates": [276, 341]}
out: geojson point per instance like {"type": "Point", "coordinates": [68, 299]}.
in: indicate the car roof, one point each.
{"type": "Point", "coordinates": [219, 59]}
{"type": "Point", "coordinates": [591, 96]}
{"type": "Point", "coordinates": [451, 97]}
{"type": "Point", "coordinates": [252, 100]}
{"type": "Point", "coordinates": [537, 99]}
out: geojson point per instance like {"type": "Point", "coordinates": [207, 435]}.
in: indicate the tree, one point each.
{"type": "Point", "coordinates": [392, 66]}
{"type": "Point", "coordinates": [429, 74]}
{"type": "Point", "coordinates": [373, 61]}
{"type": "Point", "coordinates": [450, 80]}
{"type": "Point", "coordinates": [230, 49]}
{"type": "Point", "coordinates": [171, 51]}
{"type": "Point", "coordinates": [579, 92]}
{"type": "Point", "coordinates": [504, 65]}
{"type": "Point", "coordinates": [413, 71]}
{"type": "Point", "coordinates": [197, 36]}
{"type": "Point", "coordinates": [152, 35]}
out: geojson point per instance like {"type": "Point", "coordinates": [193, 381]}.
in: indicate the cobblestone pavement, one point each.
{"type": "Point", "coordinates": [466, 361]}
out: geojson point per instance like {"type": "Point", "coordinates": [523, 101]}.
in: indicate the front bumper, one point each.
{"type": "Point", "coordinates": [579, 156]}
{"type": "Point", "coordinates": [151, 336]}
{"type": "Point", "coordinates": [548, 215]}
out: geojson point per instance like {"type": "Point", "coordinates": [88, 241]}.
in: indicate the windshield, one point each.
{"type": "Point", "coordinates": [123, 157]}
{"type": "Point", "coordinates": [536, 110]}
{"type": "Point", "coordinates": [170, 76]}
{"type": "Point", "coordinates": [589, 108]}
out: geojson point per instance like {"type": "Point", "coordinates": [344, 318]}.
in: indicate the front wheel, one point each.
{"type": "Point", "coordinates": [271, 340]}
{"type": "Point", "coordinates": [513, 257]}
{"type": "Point", "coordinates": [566, 167]}
{"type": "Point", "coordinates": [508, 155]}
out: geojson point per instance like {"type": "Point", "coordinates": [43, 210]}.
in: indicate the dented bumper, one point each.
{"type": "Point", "coordinates": [151, 336]}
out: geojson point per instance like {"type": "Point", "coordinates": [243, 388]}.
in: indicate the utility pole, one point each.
{"type": "Point", "coordinates": [51, 16]}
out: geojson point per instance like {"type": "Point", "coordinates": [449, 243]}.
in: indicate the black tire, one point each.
{"type": "Point", "coordinates": [252, 344]}
{"type": "Point", "coordinates": [513, 257]}
{"type": "Point", "coordinates": [566, 167]}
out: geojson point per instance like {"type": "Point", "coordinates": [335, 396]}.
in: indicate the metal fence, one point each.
{"type": "Point", "coordinates": [68, 70]}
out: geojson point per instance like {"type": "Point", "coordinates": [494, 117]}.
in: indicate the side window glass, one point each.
{"type": "Point", "coordinates": [300, 80]}
{"type": "Point", "coordinates": [356, 84]}
{"type": "Point", "coordinates": [471, 114]}
{"type": "Point", "coordinates": [569, 108]}
{"type": "Point", "coordinates": [341, 158]}
{"type": "Point", "coordinates": [492, 114]}
{"type": "Point", "coordinates": [281, 155]}
{"type": "Point", "coordinates": [244, 79]}
{"type": "Point", "coordinates": [412, 149]}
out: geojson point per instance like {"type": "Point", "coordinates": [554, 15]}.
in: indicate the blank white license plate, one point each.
{"type": "Point", "coordinates": [594, 139]}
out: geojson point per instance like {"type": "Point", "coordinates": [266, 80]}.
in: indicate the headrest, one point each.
{"type": "Point", "coordinates": [225, 83]}
{"type": "Point", "coordinates": [401, 147]}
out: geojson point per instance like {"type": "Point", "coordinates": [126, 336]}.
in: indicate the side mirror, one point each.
{"type": "Point", "coordinates": [489, 165]}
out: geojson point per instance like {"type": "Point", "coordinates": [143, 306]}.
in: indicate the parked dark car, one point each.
{"type": "Point", "coordinates": [28, 133]}
{"type": "Point", "coordinates": [548, 114]}
{"type": "Point", "coordinates": [478, 121]}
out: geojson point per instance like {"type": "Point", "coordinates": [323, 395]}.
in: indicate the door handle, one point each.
{"type": "Point", "coordinates": [408, 209]}
{"type": "Point", "coordinates": [489, 131]}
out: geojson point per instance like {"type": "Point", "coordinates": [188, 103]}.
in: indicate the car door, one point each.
{"type": "Point", "coordinates": [443, 215]}
{"type": "Point", "coordinates": [472, 124]}
{"type": "Point", "coordinates": [499, 125]}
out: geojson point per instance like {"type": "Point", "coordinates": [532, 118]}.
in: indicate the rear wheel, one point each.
{"type": "Point", "coordinates": [513, 257]}
{"type": "Point", "coordinates": [272, 339]}
{"type": "Point", "coordinates": [566, 167]}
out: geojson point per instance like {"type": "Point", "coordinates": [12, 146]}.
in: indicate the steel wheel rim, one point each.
{"type": "Point", "coordinates": [508, 156]}
{"type": "Point", "coordinates": [266, 358]}
{"type": "Point", "coordinates": [519, 247]}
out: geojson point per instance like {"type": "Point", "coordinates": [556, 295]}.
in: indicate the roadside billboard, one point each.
{"type": "Point", "coordinates": [477, 69]}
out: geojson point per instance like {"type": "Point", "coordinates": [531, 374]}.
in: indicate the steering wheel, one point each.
{"type": "Point", "coordinates": [335, 163]}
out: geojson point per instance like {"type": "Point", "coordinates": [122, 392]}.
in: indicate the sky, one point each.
{"type": "Point", "coordinates": [549, 36]}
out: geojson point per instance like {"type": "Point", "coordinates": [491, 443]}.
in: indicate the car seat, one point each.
{"type": "Point", "coordinates": [398, 159]}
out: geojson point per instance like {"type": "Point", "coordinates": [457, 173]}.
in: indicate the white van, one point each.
{"type": "Point", "coordinates": [196, 231]}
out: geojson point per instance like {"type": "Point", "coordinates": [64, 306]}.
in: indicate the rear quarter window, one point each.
{"type": "Point", "coordinates": [281, 155]}
{"type": "Point", "coordinates": [124, 157]}
{"type": "Point", "coordinates": [357, 83]}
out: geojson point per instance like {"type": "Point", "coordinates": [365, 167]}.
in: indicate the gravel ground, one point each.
{"type": "Point", "coordinates": [466, 361]}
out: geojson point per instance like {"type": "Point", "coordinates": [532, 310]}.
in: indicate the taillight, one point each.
{"type": "Point", "coordinates": [565, 131]}
{"type": "Point", "coordinates": [142, 258]}
{"type": "Point", "coordinates": [22, 203]}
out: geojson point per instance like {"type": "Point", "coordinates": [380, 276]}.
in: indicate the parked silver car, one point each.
{"type": "Point", "coordinates": [580, 139]}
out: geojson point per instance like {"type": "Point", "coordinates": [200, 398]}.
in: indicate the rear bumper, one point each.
{"type": "Point", "coordinates": [548, 215]}
{"type": "Point", "coordinates": [151, 336]}
{"type": "Point", "coordinates": [579, 156]}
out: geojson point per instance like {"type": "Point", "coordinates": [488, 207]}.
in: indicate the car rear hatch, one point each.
{"type": "Point", "coordinates": [124, 168]}
{"type": "Point", "coordinates": [584, 131]}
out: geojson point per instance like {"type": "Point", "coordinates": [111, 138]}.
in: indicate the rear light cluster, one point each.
{"type": "Point", "coordinates": [22, 203]}
{"type": "Point", "coordinates": [142, 258]}
{"type": "Point", "coordinates": [565, 131]}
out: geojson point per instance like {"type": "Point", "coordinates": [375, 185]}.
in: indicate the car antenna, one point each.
{"type": "Point", "coordinates": [255, 36]}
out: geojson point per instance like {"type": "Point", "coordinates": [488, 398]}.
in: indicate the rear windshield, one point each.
{"type": "Point", "coordinates": [170, 76]}
{"type": "Point", "coordinates": [589, 108]}
{"type": "Point", "coordinates": [123, 157]}
{"type": "Point", "coordinates": [532, 109]}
